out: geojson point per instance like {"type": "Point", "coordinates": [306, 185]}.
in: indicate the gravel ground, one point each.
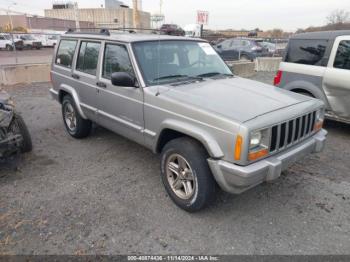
{"type": "Point", "coordinates": [103, 195]}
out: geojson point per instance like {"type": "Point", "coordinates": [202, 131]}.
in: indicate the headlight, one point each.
{"type": "Point", "coordinates": [259, 144]}
{"type": "Point", "coordinates": [255, 139]}
{"type": "Point", "coordinates": [320, 115]}
{"type": "Point", "coordinates": [319, 120]}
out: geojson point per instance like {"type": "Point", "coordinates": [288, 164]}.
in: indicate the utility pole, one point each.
{"type": "Point", "coordinates": [124, 7]}
{"type": "Point", "coordinates": [76, 16]}
{"type": "Point", "coordinates": [9, 15]}
{"type": "Point", "coordinates": [136, 14]}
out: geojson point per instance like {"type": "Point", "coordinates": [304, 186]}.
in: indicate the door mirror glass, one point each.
{"type": "Point", "coordinates": [123, 79]}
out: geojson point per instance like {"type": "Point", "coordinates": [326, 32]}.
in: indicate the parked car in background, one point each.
{"type": "Point", "coordinates": [29, 41]}
{"type": "Point", "coordinates": [318, 65]}
{"type": "Point", "coordinates": [178, 98]}
{"type": "Point", "coordinates": [271, 47]}
{"type": "Point", "coordinates": [8, 42]}
{"type": "Point", "coordinates": [241, 49]}
{"type": "Point", "coordinates": [193, 30]}
{"type": "Point", "coordinates": [172, 29]}
{"type": "Point", "coordinates": [47, 40]}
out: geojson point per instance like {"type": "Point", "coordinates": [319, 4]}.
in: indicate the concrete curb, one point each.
{"type": "Point", "coordinates": [267, 64]}
{"type": "Point", "coordinates": [24, 73]}
{"type": "Point", "coordinates": [33, 73]}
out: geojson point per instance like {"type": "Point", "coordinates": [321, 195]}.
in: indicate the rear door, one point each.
{"type": "Point", "coordinates": [336, 82]}
{"type": "Point", "coordinates": [85, 76]}
{"type": "Point", "coordinates": [120, 108]}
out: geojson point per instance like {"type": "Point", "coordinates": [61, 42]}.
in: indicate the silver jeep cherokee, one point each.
{"type": "Point", "coordinates": [176, 96]}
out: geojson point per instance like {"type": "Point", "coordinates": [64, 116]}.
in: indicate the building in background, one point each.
{"type": "Point", "coordinates": [35, 23]}
{"type": "Point", "coordinates": [121, 16]}
{"type": "Point", "coordinates": [113, 3]}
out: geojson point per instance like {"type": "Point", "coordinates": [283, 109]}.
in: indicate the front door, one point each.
{"type": "Point", "coordinates": [119, 108]}
{"type": "Point", "coordinates": [336, 82]}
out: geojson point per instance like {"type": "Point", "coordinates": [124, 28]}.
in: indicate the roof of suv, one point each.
{"type": "Point", "coordinates": [130, 37]}
{"type": "Point", "coordinates": [321, 35]}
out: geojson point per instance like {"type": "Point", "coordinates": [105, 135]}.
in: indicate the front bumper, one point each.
{"type": "Point", "coordinates": [237, 179]}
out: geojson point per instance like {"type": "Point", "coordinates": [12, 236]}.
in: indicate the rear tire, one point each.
{"type": "Point", "coordinates": [9, 48]}
{"type": "Point", "coordinates": [186, 174]}
{"type": "Point", "coordinates": [76, 126]}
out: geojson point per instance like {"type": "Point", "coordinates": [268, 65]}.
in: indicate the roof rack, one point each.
{"type": "Point", "coordinates": [102, 31]}
{"type": "Point", "coordinates": [106, 31]}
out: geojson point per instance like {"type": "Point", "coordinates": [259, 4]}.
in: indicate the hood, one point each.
{"type": "Point", "coordinates": [235, 98]}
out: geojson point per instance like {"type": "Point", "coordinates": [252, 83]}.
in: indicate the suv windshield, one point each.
{"type": "Point", "coordinates": [171, 61]}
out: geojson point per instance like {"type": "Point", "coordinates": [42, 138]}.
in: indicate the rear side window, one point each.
{"type": "Point", "coordinates": [88, 57]}
{"type": "Point", "coordinates": [307, 52]}
{"type": "Point", "coordinates": [342, 59]}
{"type": "Point", "coordinates": [226, 44]}
{"type": "Point", "coordinates": [116, 59]}
{"type": "Point", "coordinates": [65, 53]}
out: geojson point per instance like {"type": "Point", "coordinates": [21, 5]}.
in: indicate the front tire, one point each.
{"type": "Point", "coordinates": [186, 174]}
{"type": "Point", "coordinates": [18, 126]}
{"type": "Point", "coordinates": [76, 126]}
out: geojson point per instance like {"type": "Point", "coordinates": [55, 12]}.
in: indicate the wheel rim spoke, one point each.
{"type": "Point", "coordinates": [173, 167]}
{"type": "Point", "coordinates": [182, 163]}
{"type": "Point", "coordinates": [177, 184]}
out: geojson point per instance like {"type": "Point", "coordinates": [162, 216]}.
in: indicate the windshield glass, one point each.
{"type": "Point", "coordinates": [27, 37]}
{"type": "Point", "coordinates": [170, 61]}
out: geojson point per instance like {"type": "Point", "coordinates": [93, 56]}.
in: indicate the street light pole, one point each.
{"type": "Point", "coordinates": [9, 15]}
{"type": "Point", "coordinates": [123, 8]}
{"type": "Point", "coordinates": [11, 29]}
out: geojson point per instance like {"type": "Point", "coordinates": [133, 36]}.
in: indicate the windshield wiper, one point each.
{"type": "Point", "coordinates": [177, 76]}
{"type": "Point", "coordinates": [211, 74]}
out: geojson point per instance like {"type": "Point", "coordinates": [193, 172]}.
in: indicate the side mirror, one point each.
{"type": "Point", "coordinates": [122, 79]}
{"type": "Point", "coordinates": [219, 46]}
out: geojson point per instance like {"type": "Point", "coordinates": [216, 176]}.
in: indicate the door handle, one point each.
{"type": "Point", "coordinates": [101, 84]}
{"type": "Point", "coordinates": [75, 76]}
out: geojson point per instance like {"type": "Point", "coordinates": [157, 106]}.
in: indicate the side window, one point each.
{"type": "Point", "coordinates": [65, 53]}
{"type": "Point", "coordinates": [307, 52]}
{"type": "Point", "coordinates": [2, 37]}
{"type": "Point", "coordinates": [88, 57]}
{"type": "Point", "coordinates": [236, 43]}
{"type": "Point", "coordinates": [245, 43]}
{"type": "Point", "coordinates": [226, 44]}
{"type": "Point", "coordinates": [116, 59]}
{"type": "Point", "coordinates": [342, 59]}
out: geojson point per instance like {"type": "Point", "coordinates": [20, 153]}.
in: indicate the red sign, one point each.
{"type": "Point", "coordinates": [202, 17]}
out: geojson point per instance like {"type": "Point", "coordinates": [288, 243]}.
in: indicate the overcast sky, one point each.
{"type": "Point", "coordinates": [237, 14]}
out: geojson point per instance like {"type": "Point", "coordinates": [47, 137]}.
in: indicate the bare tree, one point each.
{"type": "Point", "coordinates": [276, 33]}
{"type": "Point", "coordinates": [338, 16]}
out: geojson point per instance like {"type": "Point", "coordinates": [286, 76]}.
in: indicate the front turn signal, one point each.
{"type": "Point", "coordinates": [257, 154]}
{"type": "Point", "coordinates": [318, 125]}
{"type": "Point", "coordinates": [238, 147]}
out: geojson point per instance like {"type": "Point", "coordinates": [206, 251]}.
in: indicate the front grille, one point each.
{"type": "Point", "coordinates": [292, 131]}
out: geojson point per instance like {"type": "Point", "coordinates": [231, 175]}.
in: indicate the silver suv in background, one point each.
{"type": "Point", "coordinates": [318, 65]}
{"type": "Point", "coordinates": [176, 96]}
